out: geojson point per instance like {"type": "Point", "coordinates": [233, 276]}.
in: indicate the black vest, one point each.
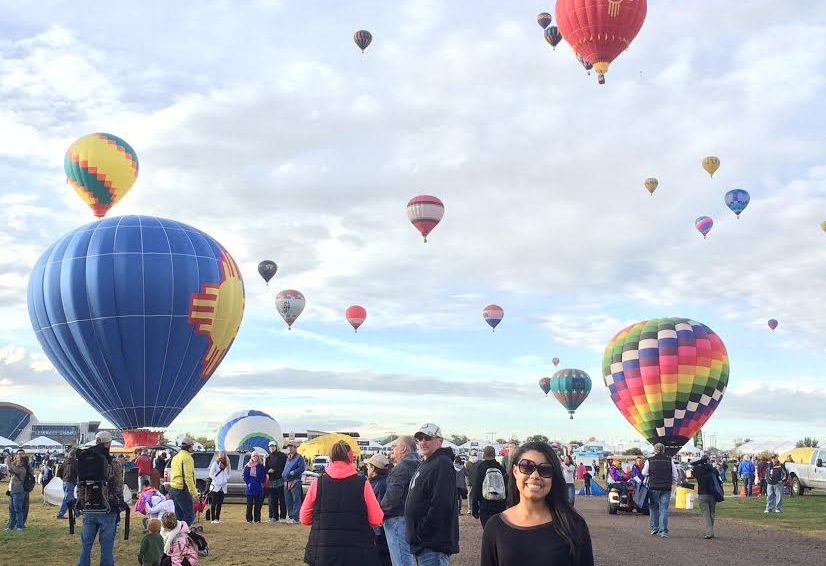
{"type": "Point", "coordinates": [340, 535]}
{"type": "Point", "coordinates": [659, 473]}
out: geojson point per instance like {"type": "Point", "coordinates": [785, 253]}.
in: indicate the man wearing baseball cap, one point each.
{"type": "Point", "coordinates": [275, 467]}
{"type": "Point", "coordinates": [431, 511]}
{"type": "Point", "coordinates": [182, 481]}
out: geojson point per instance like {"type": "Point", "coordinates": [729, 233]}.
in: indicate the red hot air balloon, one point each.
{"type": "Point", "coordinates": [425, 212]}
{"type": "Point", "coordinates": [772, 324]}
{"type": "Point", "coordinates": [355, 316]}
{"type": "Point", "coordinates": [555, 361]}
{"type": "Point", "coordinates": [599, 30]}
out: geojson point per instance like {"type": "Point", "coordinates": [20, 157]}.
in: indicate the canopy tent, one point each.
{"type": "Point", "coordinates": [42, 442]}
{"type": "Point", "coordinates": [324, 443]}
{"type": "Point", "coordinates": [7, 442]}
{"type": "Point", "coordinates": [772, 446]}
{"type": "Point", "coordinates": [799, 455]}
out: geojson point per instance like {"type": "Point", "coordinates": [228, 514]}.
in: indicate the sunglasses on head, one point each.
{"type": "Point", "coordinates": [528, 467]}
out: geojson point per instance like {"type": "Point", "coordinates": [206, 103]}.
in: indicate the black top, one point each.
{"type": "Point", "coordinates": [275, 462]}
{"type": "Point", "coordinates": [431, 511]}
{"type": "Point", "coordinates": [504, 544]}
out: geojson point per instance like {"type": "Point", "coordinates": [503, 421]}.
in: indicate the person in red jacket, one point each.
{"type": "Point", "coordinates": [335, 507]}
{"type": "Point", "coordinates": [144, 465]}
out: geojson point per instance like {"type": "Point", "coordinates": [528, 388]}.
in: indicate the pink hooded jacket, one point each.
{"type": "Point", "coordinates": [177, 546]}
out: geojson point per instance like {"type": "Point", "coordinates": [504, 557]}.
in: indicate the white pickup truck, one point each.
{"type": "Point", "coordinates": [808, 476]}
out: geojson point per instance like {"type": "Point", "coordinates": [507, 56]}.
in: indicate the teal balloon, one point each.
{"type": "Point", "coordinates": [571, 387]}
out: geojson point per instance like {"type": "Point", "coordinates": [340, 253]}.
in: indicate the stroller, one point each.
{"type": "Point", "coordinates": [199, 504]}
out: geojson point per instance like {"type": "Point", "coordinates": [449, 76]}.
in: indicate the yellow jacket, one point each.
{"type": "Point", "coordinates": [183, 472]}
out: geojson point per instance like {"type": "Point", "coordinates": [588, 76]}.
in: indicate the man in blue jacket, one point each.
{"type": "Point", "coordinates": [746, 471]}
{"type": "Point", "coordinates": [292, 482]}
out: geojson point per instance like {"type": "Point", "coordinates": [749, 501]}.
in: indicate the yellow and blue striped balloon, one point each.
{"type": "Point", "coordinates": [101, 168]}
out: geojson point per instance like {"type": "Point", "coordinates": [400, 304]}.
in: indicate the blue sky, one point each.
{"type": "Point", "coordinates": [261, 124]}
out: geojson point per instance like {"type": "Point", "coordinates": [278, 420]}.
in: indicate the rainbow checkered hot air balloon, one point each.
{"type": "Point", "coordinates": [101, 168]}
{"type": "Point", "coordinates": [571, 387]}
{"type": "Point", "coordinates": [666, 376]}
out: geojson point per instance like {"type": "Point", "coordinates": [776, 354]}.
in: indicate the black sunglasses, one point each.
{"type": "Point", "coordinates": [528, 467]}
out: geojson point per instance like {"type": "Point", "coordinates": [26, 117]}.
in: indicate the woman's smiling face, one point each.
{"type": "Point", "coordinates": [529, 481]}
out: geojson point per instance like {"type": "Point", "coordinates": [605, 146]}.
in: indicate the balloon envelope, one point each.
{"type": "Point", "coordinates": [711, 164]}
{"type": "Point", "coordinates": [493, 315]}
{"type": "Point", "coordinates": [545, 384]}
{"type": "Point", "coordinates": [247, 430]}
{"type": "Point", "coordinates": [355, 316]}
{"type": "Point", "coordinates": [703, 225]}
{"type": "Point", "coordinates": [290, 304]}
{"type": "Point", "coordinates": [772, 323]}
{"type": "Point", "coordinates": [737, 200]}
{"type": "Point", "coordinates": [544, 19]}
{"type": "Point", "coordinates": [136, 313]}
{"type": "Point", "coordinates": [552, 36]}
{"type": "Point", "coordinates": [666, 376]}
{"type": "Point", "coordinates": [651, 184]}
{"type": "Point", "coordinates": [101, 168]}
{"type": "Point", "coordinates": [555, 361]}
{"type": "Point", "coordinates": [425, 212]}
{"type": "Point", "coordinates": [363, 39]}
{"type": "Point", "coordinates": [267, 269]}
{"type": "Point", "coordinates": [571, 387]}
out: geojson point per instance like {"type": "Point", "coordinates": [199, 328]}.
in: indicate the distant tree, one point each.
{"type": "Point", "coordinates": [537, 438]}
{"type": "Point", "coordinates": [501, 441]}
{"type": "Point", "coordinates": [458, 439]}
{"type": "Point", "coordinates": [208, 443]}
{"type": "Point", "coordinates": [577, 442]}
{"type": "Point", "coordinates": [515, 440]}
{"type": "Point", "coordinates": [807, 442]}
{"type": "Point", "coordinates": [634, 451]}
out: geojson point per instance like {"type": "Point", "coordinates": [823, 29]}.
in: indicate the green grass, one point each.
{"type": "Point", "coordinates": [802, 514]}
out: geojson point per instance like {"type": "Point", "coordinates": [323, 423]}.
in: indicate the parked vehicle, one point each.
{"type": "Point", "coordinates": [808, 476]}
{"type": "Point", "coordinates": [307, 479]}
{"type": "Point", "coordinates": [320, 464]}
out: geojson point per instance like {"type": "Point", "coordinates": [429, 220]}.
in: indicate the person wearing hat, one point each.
{"type": "Point", "coordinates": [103, 525]}
{"type": "Point", "coordinates": [378, 466]}
{"type": "Point", "coordinates": [431, 512]}
{"type": "Point", "coordinates": [182, 481]}
{"type": "Point", "coordinates": [471, 466]}
{"type": "Point", "coordinates": [274, 464]}
{"type": "Point", "coordinates": [291, 475]}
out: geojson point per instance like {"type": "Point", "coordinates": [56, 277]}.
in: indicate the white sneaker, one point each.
{"type": "Point", "coordinates": [777, 511]}
{"type": "Point", "coordinates": [766, 511]}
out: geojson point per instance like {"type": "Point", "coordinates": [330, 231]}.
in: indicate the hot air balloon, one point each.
{"type": "Point", "coordinates": [267, 270]}
{"type": "Point", "coordinates": [651, 185]}
{"type": "Point", "coordinates": [823, 225]}
{"type": "Point", "coordinates": [552, 36]}
{"type": "Point", "coordinates": [555, 361]}
{"type": "Point", "coordinates": [737, 200]}
{"type": "Point", "coordinates": [493, 315]}
{"type": "Point", "coordinates": [425, 212]}
{"type": "Point", "coordinates": [101, 168]}
{"type": "Point", "coordinates": [773, 324]}
{"type": "Point", "coordinates": [355, 316]}
{"type": "Point", "coordinates": [363, 39]}
{"type": "Point", "coordinates": [247, 430]}
{"type": "Point", "coordinates": [136, 313]}
{"type": "Point", "coordinates": [666, 376]}
{"type": "Point", "coordinates": [711, 164]}
{"type": "Point", "coordinates": [584, 63]}
{"type": "Point", "coordinates": [544, 19]}
{"type": "Point", "coordinates": [599, 30]}
{"type": "Point", "coordinates": [703, 225]}
{"type": "Point", "coordinates": [571, 387]}
{"type": "Point", "coordinates": [545, 384]}
{"type": "Point", "coordinates": [290, 305]}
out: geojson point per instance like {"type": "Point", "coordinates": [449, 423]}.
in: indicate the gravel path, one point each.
{"type": "Point", "coordinates": [623, 540]}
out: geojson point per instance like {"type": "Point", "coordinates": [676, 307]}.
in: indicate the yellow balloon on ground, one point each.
{"type": "Point", "coordinates": [651, 185]}
{"type": "Point", "coordinates": [101, 168]}
{"type": "Point", "coordinates": [322, 445]}
{"type": "Point", "coordinates": [711, 164]}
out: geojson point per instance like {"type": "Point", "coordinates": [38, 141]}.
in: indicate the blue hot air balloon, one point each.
{"type": "Point", "coordinates": [136, 312]}
{"type": "Point", "coordinates": [737, 200]}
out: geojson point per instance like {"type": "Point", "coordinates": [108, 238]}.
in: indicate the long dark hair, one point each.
{"type": "Point", "coordinates": [568, 523]}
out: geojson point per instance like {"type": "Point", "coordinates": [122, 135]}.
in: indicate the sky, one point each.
{"type": "Point", "coordinates": [263, 125]}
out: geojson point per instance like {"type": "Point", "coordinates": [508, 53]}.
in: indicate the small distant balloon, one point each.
{"type": "Point", "coordinates": [552, 36]}
{"type": "Point", "coordinates": [425, 212]}
{"type": "Point", "coordinates": [703, 225]}
{"type": "Point", "coordinates": [737, 200]}
{"type": "Point", "coordinates": [651, 185]}
{"type": "Point", "coordinates": [363, 39]}
{"type": "Point", "coordinates": [493, 315]}
{"type": "Point", "coordinates": [823, 225]}
{"type": "Point", "coordinates": [544, 19]}
{"type": "Point", "coordinates": [355, 316]}
{"type": "Point", "coordinates": [290, 304]}
{"type": "Point", "coordinates": [711, 164]}
{"type": "Point", "coordinates": [545, 384]}
{"type": "Point", "coordinates": [555, 361]}
{"type": "Point", "coordinates": [267, 270]}
{"type": "Point", "coordinates": [772, 324]}
{"type": "Point", "coordinates": [584, 63]}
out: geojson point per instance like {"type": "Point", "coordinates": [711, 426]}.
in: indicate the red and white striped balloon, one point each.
{"type": "Point", "coordinates": [425, 212]}
{"type": "Point", "coordinates": [355, 316]}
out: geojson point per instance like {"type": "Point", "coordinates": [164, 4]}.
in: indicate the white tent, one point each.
{"type": "Point", "coordinates": [7, 442]}
{"type": "Point", "coordinates": [772, 446]}
{"type": "Point", "coordinates": [42, 442]}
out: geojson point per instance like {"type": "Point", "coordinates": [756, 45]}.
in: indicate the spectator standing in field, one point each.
{"type": "Point", "coordinates": [734, 482]}
{"type": "Point", "coordinates": [489, 495]}
{"type": "Point", "coordinates": [586, 482]}
{"type": "Point", "coordinates": [377, 470]}
{"type": "Point", "coordinates": [762, 466]}
{"type": "Point", "coordinates": [661, 473]}
{"type": "Point", "coordinates": [569, 473]}
{"type": "Point", "coordinates": [160, 463]}
{"type": "Point", "coordinates": [69, 476]}
{"type": "Point", "coordinates": [706, 476]}
{"type": "Point", "coordinates": [254, 477]}
{"type": "Point", "coordinates": [276, 460]}
{"type": "Point", "coordinates": [506, 460]}
{"type": "Point", "coordinates": [291, 475]}
{"type": "Point", "coordinates": [471, 466]}
{"type": "Point", "coordinates": [461, 481]}
{"type": "Point", "coordinates": [182, 485]}
{"type": "Point", "coordinates": [144, 466]}
{"type": "Point", "coordinates": [776, 474]}
{"type": "Point", "coordinates": [406, 460]}
{"type": "Point", "coordinates": [219, 476]}
{"type": "Point", "coordinates": [17, 469]}
{"type": "Point", "coordinates": [539, 527]}
{"type": "Point", "coordinates": [746, 471]}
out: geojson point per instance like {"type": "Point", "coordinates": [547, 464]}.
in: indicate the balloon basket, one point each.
{"type": "Point", "coordinates": [141, 437]}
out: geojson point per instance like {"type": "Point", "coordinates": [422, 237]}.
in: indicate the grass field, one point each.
{"type": "Point", "coordinates": [802, 514]}
{"type": "Point", "coordinates": [47, 542]}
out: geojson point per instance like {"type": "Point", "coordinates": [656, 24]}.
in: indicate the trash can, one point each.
{"type": "Point", "coordinates": [682, 496]}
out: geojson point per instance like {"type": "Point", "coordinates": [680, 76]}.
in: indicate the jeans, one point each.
{"type": "Point", "coordinates": [183, 505]}
{"type": "Point", "coordinates": [94, 523]}
{"type": "Point", "coordinates": [68, 498]}
{"type": "Point", "coordinates": [293, 497]}
{"type": "Point", "coordinates": [217, 501]}
{"type": "Point", "coordinates": [254, 503]}
{"type": "Point", "coordinates": [587, 489]}
{"type": "Point", "coordinates": [708, 505]}
{"type": "Point", "coordinates": [428, 557]}
{"type": "Point", "coordinates": [658, 512]}
{"type": "Point", "coordinates": [400, 553]}
{"type": "Point", "coordinates": [277, 503]}
{"type": "Point", "coordinates": [16, 520]}
{"type": "Point", "coordinates": [571, 493]}
{"type": "Point", "coordinates": [763, 484]}
{"type": "Point", "coordinates": [774, 497]}
{"type": "Point", "coordinates": [748, 482]}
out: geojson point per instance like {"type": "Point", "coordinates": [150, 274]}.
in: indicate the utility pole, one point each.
{"type": "Point", "coordinates": [491, 436]}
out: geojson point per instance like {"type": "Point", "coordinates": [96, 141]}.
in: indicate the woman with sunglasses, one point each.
{"type": "Point", "coordinates": [539, 527]}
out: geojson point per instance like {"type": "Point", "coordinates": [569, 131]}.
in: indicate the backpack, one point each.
{"type": "Point", "coordinates": [95, 482]}
{"type": "Point", "coordinates": [29, 481]}
{"type": "Point", "coordinates": [493, 486]}
{"type": "Point", "coordinates": [198, 540]}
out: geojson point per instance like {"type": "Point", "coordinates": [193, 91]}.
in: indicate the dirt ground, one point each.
{"type": "Point", "coordinates": [624, 540]}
